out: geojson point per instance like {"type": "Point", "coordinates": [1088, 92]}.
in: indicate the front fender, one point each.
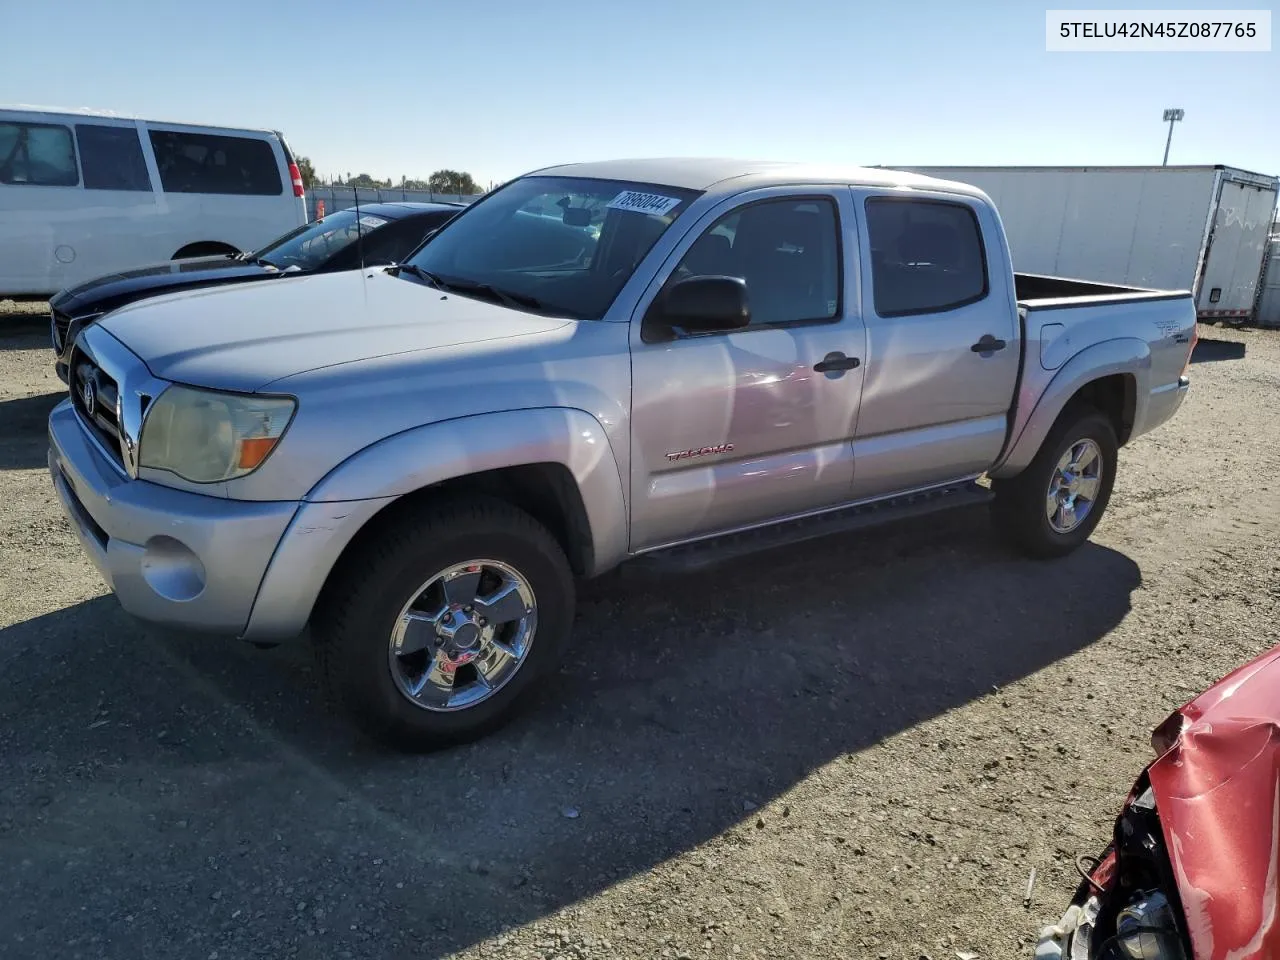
{"type": "Point", "coordinates": [353, 492]}
{"type": "Point", "coordinates": [427, 455]}
{"type": "Point", "coordinates": [1125, 355]}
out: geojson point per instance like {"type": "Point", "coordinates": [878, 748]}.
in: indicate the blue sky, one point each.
{"type": "Point", "coordinates": [498, 87]}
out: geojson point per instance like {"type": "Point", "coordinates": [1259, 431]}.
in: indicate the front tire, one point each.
{"type": "Point", "coordinates": [433, 631]}
{"type": "Point", "coordinates": [1053, 506]}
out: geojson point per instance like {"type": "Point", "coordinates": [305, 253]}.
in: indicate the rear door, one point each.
{"type": "Point", "coordinates": [733, 429]}
{"type": "Point", "coordinates": [943, 342]}
{"type": "Point", "coordinates": [223, 187]}
{"type": "Point", "coordinates": [1233, 264]}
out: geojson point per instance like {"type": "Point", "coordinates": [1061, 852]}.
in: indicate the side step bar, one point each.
{"type": "Point", "coordinates": [715, 550]}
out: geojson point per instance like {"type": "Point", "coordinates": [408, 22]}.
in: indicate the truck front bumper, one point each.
{"type": "Point", "coordinates": [174, 558]}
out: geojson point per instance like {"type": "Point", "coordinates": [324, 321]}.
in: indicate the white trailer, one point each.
{"type": "Point", "coordinates": [1202, 229]}
{"type": "Point", "coordinates": [1269, 299]}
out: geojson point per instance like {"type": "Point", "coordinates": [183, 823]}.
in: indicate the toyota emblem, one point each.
{"type": "Point", "coordinates": [89, 396]}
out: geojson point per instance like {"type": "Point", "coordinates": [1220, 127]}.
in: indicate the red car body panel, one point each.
{"type": "Point", "coordinates": [1217, 790]}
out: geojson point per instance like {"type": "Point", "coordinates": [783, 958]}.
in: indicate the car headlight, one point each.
{"type": "Point", "coordinates": [205, 436]}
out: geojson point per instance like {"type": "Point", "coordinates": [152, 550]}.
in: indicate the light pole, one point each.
{"type": "Point", "coordinates": [1170, 117]}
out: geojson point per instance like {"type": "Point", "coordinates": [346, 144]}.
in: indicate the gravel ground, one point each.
{"type": "Point", "coordinates": [858, 748]}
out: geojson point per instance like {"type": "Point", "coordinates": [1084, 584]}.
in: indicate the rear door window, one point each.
{"type": "Point", "coordinates": [926, 256]}
{"type": "Point", "coordinates": [112, 158]}
{"type": "Point", "coordinates": [37, 155]}
{"type": "Point", "coordinates": [207, 163]}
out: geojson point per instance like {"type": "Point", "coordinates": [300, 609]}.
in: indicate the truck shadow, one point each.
{"type": "Point", "coordinates": [24, 443]}
{"type": "Point", "coordinates": [684, 701]}
{"type": "Point", "coordinates": [1211, 351]}
{"type": "Point", "coordinates": [22, 327]}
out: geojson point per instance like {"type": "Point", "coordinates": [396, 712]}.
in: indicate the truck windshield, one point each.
{"type": "Point", "coordinates": [313, 243]}
{"type": "Point", "coordinates": [559, 245]}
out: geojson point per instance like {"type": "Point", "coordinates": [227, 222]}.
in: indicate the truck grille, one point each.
{"type": "Point", "coordinates": [94, 394]}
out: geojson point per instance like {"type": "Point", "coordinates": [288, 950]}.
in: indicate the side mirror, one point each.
{"type": "Point", "coordinates": [706, 305]}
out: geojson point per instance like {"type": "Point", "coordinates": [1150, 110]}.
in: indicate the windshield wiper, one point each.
{"type": "Point", "coordinates": [507, 298]}
{"type": "Point", "coordinates": [426, 276]}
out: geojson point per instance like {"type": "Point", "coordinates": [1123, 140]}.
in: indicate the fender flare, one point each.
{"type": "Point", "coordinates": [423, 456]}
{"type": "Point", "coordinates": [1128, 356]}
{"type": "Point", "coordinates": [360, 487]}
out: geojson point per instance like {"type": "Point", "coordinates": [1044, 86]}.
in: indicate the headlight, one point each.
{"type": "Point", "coordinates": [204, 436]}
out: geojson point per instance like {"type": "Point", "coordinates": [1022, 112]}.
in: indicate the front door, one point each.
{"type": "Point", "coordinates": [734, 429]}
{"type": "Point", "coordinates": [943, 343]}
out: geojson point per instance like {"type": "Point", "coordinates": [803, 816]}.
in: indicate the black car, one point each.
{"type": "Point", "coordinates": [386, 232]}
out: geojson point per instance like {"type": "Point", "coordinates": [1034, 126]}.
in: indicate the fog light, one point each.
{"type": "Point", "coordinates": [172, 570]}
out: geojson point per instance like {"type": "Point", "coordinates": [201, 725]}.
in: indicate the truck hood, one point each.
{"type": "Point", "coordinates": [246, 337]}
{"type": "Point", "coordinates": [1217, 792]}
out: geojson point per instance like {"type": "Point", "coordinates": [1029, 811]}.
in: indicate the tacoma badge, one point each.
{"type": "Point", "coordinates": [699, 452]}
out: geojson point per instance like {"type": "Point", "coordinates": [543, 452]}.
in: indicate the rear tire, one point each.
{"type": "Point", "coordinates": [1024, 507]}
{"type": "Point", "coordinates": [387, 622]}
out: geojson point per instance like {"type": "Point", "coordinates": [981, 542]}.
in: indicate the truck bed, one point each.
{"type": "Point", "coordinates": [1040, 293]}
{"type": "Point", "coordinates": [1145, 335]}
{"type": "Point", "coordinates": [1037, 287]}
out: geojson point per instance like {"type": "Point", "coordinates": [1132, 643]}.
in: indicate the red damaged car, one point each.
{"type": "Point", "coordinates": [1191, 872]}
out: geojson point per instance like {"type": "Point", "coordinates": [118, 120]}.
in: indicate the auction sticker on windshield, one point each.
{"type": "Point", "coordinates": [654, 204]}
{"type": "Point", "coordinates": [372, 222]}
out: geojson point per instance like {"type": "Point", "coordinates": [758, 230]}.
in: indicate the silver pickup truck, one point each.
{"type": "Point", "coordinates": [662, 361]}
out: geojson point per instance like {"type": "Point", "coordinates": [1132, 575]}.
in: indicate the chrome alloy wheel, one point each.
{"type": "Point", "coordinates": [463, 635]}
{"type": "Point", "coordinates": [1074, 487]}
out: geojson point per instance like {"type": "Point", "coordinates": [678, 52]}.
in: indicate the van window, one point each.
{"type": "Point", "coordinates": [926, 256]}
{"type": "Point", "coordinates": [37, 154]}
{"type": "Point", "coordinates": [204, 163]}
{"type": "Point", "coordinates": [111, 158]}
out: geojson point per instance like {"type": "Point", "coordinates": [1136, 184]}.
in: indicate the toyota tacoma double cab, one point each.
{"type": "Point", "coordinates": [668, 361]}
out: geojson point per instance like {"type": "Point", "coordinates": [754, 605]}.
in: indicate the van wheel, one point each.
{"type": "Point", "coordinates": [207, 248]}
{"type": "Point", "coordinates": [434, 631]}
{"type": "Point", "coordinates": [1053, 506]}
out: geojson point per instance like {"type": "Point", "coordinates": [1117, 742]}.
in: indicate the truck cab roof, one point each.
{"type": "Point", "coordinates": [707, 173]}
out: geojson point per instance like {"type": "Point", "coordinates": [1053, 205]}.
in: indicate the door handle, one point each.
{"type": "Point", "coordinates": [836, 361]}
{"type": "Point", "coordinates": [988, 344]}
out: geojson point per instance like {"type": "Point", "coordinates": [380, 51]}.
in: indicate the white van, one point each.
{"type": "Point", "coordinates": [84, 194]}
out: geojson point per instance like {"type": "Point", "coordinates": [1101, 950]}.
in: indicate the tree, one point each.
{"type": "Point", "coordinates": [362, 180]}
{"type": "Point", "coordinates": [452, 181]}
{"type": "Point", "coordinates": [308, 172]}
